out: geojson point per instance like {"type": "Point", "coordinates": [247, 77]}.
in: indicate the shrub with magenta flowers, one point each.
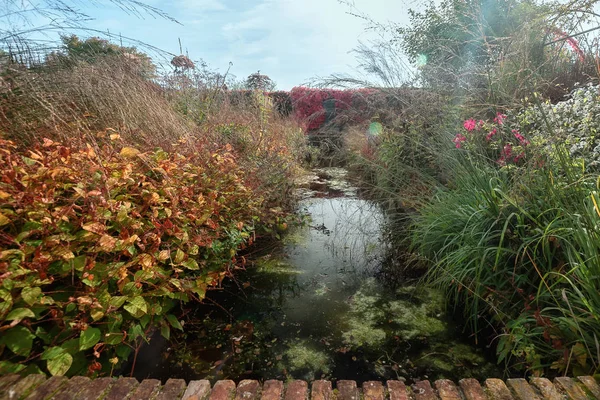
{"type": "Point", "coordinates": [495, 139]}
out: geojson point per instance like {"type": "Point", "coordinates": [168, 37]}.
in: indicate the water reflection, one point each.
{"type": "Point", "coordinates": [314, 310]}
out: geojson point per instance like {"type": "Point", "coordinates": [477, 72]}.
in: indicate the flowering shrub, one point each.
{"type": "Point", "coordinates": [574, 123]}
{"type": "Point", "coordinates": [495, 139]}
{"type": "Point", "coordinates": [350, 105]}
{"type": "Point", "coordinates": [99, 245]}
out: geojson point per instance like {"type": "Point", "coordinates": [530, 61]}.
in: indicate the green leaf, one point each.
{"type": "Point", "coordinates": [31, 295]}
{"type": "Point", "coordinates": [19, 340]}
{"type": "Point", "coordinates": [7, 302]}
{"type": "Point", "coordinates": [137, 307]}
{"type": "Point", "coordinates": [28, 161]}
{"type": "Point", "coordinates": [191, 264]}
{"type": "Point", "coordinates": [89, 338]}
{"type": "Point", "coordinates": [165, 331]}
{"type": "Point", "coordinates": [113, 338]}
{"type": "Point", "coordinates": [179, 255]}
{"type": "Point", "coordinates": [145, 320]}
{"type": "Point", "coordinates": [174, 322]}
{"type": "Point", "coordinates": [52, 352]}
{"type": "Point", "coordinates": [20, 313]}
{"type": "Point", "coordinates": [123, 352]}
{"type": "Point", "coordinates": [117, 301]}
{"type": "Point", "coordinates": [79, 263]}
{"type": "Point", "coordinates": [60, 365]}
{"type": "Point", "coordinates": [7, 367]}
{"type": "Point", "coordinates": [42, 334]}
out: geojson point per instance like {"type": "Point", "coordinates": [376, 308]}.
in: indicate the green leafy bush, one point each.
{"type": "Point", "coordinates": [100, 244]}
{"type": "Point", "coordinates": [574, 123]}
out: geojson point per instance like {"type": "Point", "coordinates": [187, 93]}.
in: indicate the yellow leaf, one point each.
{"type": "Point", "coordinates": [129, 152]}
{"type": "Point", "coordinates": [64, 253]}
{"type": "Point", "coordinates": [107, 243]}
{"type": "Point", "coordinates": [4, 195]}
{"type": "Point", "coordinates": [4, 220]}
{"type": "Point", "coordinates": [163, 255]}
{"type": "Point", "coordinates": [95, 227]}
{"type": "Point", "coordinates": [97, 315]}
{"type": "Point", "coordinates": [34, 155]}
{"type": "Point", "coordinates": [48, 142]}
{"type": "Point", "coordinates": [146, 261]}
{"type": "Point", "coordinates": [115, 136]}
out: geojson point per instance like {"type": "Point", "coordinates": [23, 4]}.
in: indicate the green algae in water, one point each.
{"type": "Point", "coordinates": [306, 361]}
{"type": "Point", "coordinates": [363, 333]}
{"type": "Point", "coordinates": [374, 315]}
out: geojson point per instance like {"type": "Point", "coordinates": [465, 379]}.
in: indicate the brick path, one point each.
{"type": "Point", "coordinates": [37, 387]}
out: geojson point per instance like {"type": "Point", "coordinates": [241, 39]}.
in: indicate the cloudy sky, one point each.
{"type": "Point", "coordinates": [292, 41]}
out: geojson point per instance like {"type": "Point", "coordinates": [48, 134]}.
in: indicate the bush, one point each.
{"type": "Point", "coordinates": [574, 123]}
{"type": "Point", "coordinates": [99, 245]}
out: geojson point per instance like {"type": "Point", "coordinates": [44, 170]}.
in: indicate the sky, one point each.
{"type": "Point", "coordinates": [291, 41]}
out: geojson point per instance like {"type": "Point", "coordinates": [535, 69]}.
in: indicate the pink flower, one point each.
{"type": "Point", "coordinates": [507, 150]}
{"type": "Point", "coordinates": [480, 124]}
{"type": "Point", "coordinates": [491, 134]}
{"type": "Point", "coordinates": [458, 139]}
{"type": "Point", "coordinates": [470, 124]}
{"type": "Point", "coordinates": [520, 138]}
{"type": "Point", "coordinates": [500, 118]}
{"type": "Point", "coordinates": [519, 157]}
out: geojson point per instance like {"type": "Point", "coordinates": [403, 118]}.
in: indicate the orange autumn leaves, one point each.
{"type": "Point", "coordinates": [97, 244]}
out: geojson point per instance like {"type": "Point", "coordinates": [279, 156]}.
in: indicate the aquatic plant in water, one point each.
{"type": "Point", "coordinates": [305, 361]}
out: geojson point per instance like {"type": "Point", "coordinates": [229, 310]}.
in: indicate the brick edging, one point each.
{"type": "Point", "coordinates": [38, 387]}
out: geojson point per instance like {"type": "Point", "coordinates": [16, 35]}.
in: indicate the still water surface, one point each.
{"type": "Point", "coordinates": [315, 309]}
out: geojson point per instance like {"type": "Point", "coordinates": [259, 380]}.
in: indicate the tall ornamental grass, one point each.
{"type": "Point", "coordinates": [517, 248]}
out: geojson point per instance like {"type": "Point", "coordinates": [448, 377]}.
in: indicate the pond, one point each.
{"type": "Point", "coordinates": [313, 308]}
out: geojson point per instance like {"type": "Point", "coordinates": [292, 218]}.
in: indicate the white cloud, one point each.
{"type": "Point", "coordinates": [289, 40]}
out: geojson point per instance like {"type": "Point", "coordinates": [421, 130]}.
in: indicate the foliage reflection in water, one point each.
{"type": "Point", "coordinates": [314, 310]}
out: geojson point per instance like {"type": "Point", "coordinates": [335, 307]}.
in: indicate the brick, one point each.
{"type": "Point", "coordinates": [48, 388]}
{"type": "Point", "coordinates": [121, 388]}
{"type": "Point", "coordinates": [96, 389]}
{"type": "Point", "coordinates": [546, 388]}
{"type": "Point", "coordinates": [247, 390]}
{"type": "Point", "coordinates": [571, 388]}
{"type": "Point", "coordinates": [321, 390]}
{"type": "Point", "coordinates": [72, 388]}
{"type": "Point", "coordinates": [591, 385]}
{"type": "Point", "coordinates": [522, 390]}
{"type": "Point", "coordinates": [172, 390]}
{"type": "Point", "coordinates": [296, 390]}
{"type": "Point", "coordinates": [423, 391]}
{"type": "Point", "coordinates": [497, 389]}
{"type": "Point", "coordinates": [347, 390]}
{"type": "Point", "coordinates": [472, 389]}
{"type": "Point", "coordinates": [223, 390]}
{"type": "Point", "coordinates": [23, 387]}
{"type": "Point", "coordinates": [447, 390]}
{"type": "Point", "coordinates": [146, 390]}
{"type": "Point", "coordinates": [272, 390]}
{"type": "Point", "coordinates": [373, 390]}
{"type": "Point", "coordinates": [197, 390]}
{"type": "Point", "coordinates": [397, 390]}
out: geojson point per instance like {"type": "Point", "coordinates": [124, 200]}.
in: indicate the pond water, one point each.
{"type": "Point", "coordinates": [313, 308]}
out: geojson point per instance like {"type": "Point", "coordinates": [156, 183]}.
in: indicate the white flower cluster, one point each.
{"type": "Point", "coordinates": [574, 123]}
